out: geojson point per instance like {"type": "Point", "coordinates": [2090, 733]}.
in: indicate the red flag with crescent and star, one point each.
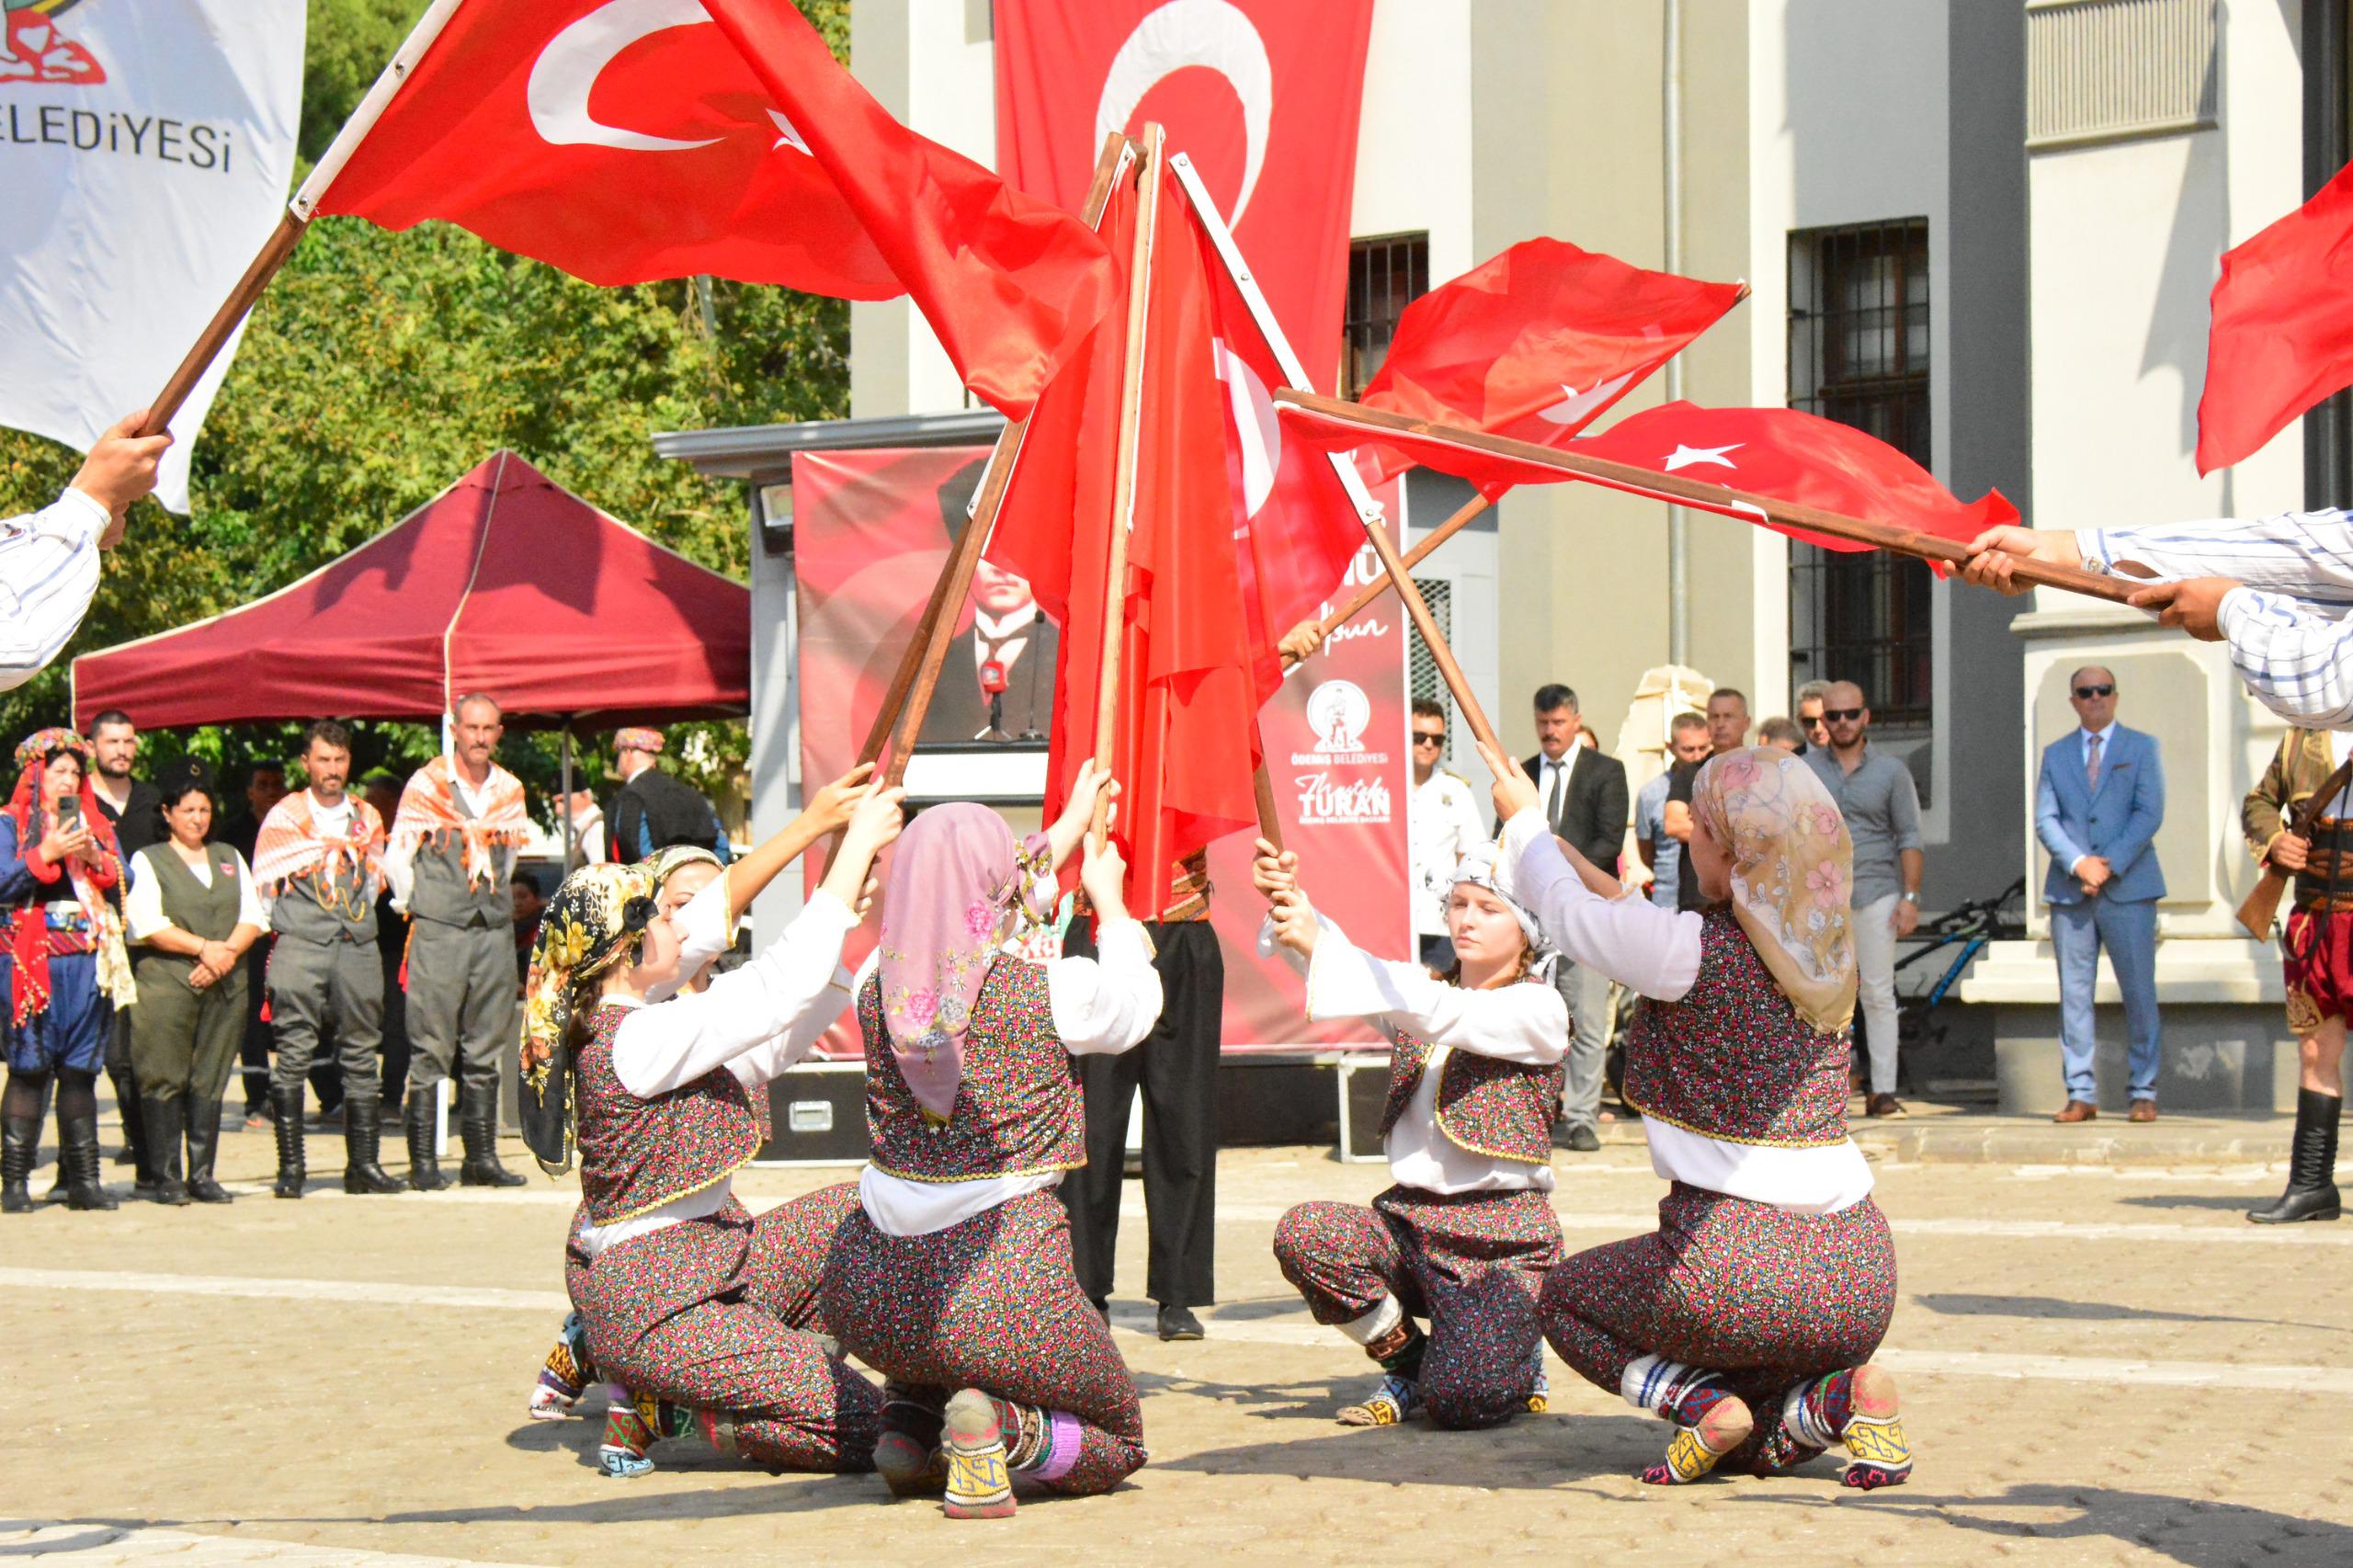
{"type": "Point", "coordinates": [627, 140]}
{"type": "Point", "coordinates": [1783, 453]}
{"type": "Point", "coordinates": [1537, 342]}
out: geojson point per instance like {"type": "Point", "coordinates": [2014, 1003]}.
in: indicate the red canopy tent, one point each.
{"type": "Point", "coordinates": [505, 583]}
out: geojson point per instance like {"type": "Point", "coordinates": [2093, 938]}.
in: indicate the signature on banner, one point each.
{"type": "Point", "coordinates": [1323, 798]}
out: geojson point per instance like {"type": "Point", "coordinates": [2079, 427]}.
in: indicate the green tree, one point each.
{"type": "Point", "coordinates": [379, 367]}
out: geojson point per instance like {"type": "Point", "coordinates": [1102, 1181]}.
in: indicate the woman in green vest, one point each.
{"type": "Point", "coordinates": [191, 914]}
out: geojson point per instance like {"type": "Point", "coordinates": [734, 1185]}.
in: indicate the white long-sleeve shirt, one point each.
{"type": "Point", "coordinates": [1101, 1007]}
{"type": "Point", "coordinates": [1526, 1024]}
{"type": "Point", "coordinates": [49, 571]}
{"type": "Point", "coordinates": [754, 1022]}
{"type": "Point", "coordinates": [1655, 952]}
{"type": "Point", "coordinates": [2288, 630]}
{"type": "Point", "coordinates": [142, 904]}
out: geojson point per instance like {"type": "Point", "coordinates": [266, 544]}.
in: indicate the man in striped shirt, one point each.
{"type": "Point", "coordinates": [49, 559]}
{"type": "Point", "coordinates": [2277, 590]}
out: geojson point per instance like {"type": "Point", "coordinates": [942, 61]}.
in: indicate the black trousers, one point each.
{"type": "Point", "coordinates": [1177, 1066]}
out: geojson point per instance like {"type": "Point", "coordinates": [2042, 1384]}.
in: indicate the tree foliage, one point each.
{"type": "Point", "coordinates": [380, 367]}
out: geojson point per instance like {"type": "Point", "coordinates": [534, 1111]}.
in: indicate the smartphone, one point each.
{"type": "Point", "coordinates": [69, 813]}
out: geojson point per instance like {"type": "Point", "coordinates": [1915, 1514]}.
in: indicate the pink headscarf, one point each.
{"type": "Point", "coordinates": [955, 875]}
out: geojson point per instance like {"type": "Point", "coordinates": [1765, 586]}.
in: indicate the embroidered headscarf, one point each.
{"type": "Point", "coordinates": [956, 875]}
{"type": "Point", "coordinates": [595, 921]}
{"type": "Point", "coordinates": [28, 934]}
{"type": "Point", "coordinates": [1792, 874]}
{"type": "Point", "coordinates": [663, 864]}
{"type": "Point", "coordinates": [1478, 869]}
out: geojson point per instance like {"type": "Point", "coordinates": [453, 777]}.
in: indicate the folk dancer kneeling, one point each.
{"type": "Point", "coordinates": [953, 1279]}
{"type": "Point", "coordinates": [666, 1103]}
{"type": "Point", "coordinates": [1467, 1232]}
{"type": "Point", "coordinates": [1749, 1318]}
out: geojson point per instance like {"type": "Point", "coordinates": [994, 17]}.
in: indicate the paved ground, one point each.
{"type": "Point", "coordinates": [2101, 1364]}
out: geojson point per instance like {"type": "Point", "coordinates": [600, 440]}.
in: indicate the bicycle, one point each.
{"type": "Point", "coordinates": [1972, 925]}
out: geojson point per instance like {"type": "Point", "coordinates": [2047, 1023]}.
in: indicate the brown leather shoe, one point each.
{"type": "Point", "coordinates": [2144, 1110]}
{"type": "Point", "coordinates": [2077, 1110]}
{"type": "Point", "coordinates": [1883, 1105]}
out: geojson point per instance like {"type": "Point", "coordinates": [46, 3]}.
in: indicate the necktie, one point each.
{"type": "Point", "coordinates": [2091, 762]}
{"type": "Point", "coordinates": [1552, 808]}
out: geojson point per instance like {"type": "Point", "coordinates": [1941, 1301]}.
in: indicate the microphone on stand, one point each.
{"type": "Point", "coordinates": [992, 682]}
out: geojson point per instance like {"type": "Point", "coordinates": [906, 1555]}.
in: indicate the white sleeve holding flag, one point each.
{"type": "Point", "coordinates": [48, 570]}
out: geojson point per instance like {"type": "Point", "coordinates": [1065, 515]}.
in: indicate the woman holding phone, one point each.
{"type": "Point", "coordinates": [63, 972]}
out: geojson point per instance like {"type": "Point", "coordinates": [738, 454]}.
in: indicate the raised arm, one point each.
{"type": "Point", "coordinates": [1511, 1023]}
{"type": "Point", "coordinates": [1108, 1004]}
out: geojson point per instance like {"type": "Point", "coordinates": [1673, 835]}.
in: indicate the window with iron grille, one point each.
{"type": "Point", "coordinates": [1385, 275]}
{"type": "Point", "coordinates": [1422, 678]}
{"type": "Point", "coordinates": [1858, 354]}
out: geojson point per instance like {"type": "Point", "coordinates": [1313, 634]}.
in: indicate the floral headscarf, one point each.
{"type": "Point", "coordinates": [955, 876]}
{"type": "Point", "coordinates": [594, 922]}
{"type": "Point", "coordinates": [663, 864]}
{"type": "Point", "coordinates": [1792, 874]}
{"type": "Point", "coordinates": [28, 933]}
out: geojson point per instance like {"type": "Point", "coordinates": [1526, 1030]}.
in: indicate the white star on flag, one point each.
{"type": "Point", "coordinates": [1685, 456]}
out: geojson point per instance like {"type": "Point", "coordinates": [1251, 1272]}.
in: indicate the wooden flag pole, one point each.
{"type": "Point", "coordinates": [1463, 516]}
{"type": "Point", "coordinates": [1706, 497]}
{"type": "Point", "coordinates": [295, 220]}
{"type": "Point", "coordinates": [1123, 486]}
{"type": "Point", "coordinates": [909, 697]}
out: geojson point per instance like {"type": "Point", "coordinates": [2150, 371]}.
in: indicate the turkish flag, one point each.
{"type": "Point", "coordinates": [1782, 453]}
{"type": "Point", "coordinates": [625, 141]}
{"type": "Point", "coordinates": [1185, 743]}
{"type": "Point", "coordinates": [2282, 333]}
{"type": "Point", "coordinates": [1262, 96]}
{"type": "Point", "coordinates": [1538, 341]}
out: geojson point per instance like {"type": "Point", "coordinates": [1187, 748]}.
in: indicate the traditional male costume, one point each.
{"type": "Point", "coordinates": [679, 1298]}
{"type": "Point", "coordinates": [65, 971]}
{"type": "Point", "coordinates": [452, 849]}
{"type": "Point", "coordinates": [1465, 1236]}
{"type": "Point", "coordinates": [2317, 949]}
{"type": "Point", "coordinates": [1771, 1277]}
{"type": "Point", "coordinates": [321, 868]}
{"type": "Point", "coordinates": [955, 1272]}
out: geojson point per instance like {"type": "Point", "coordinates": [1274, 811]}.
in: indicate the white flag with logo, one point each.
{"type": "Point", "coordinates": [146, 148]}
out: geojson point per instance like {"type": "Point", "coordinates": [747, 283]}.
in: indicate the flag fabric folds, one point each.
{"type": "Point", "coordinates": [626, 141]}
{"type": "Point", "coordinates": [1189, 687]}
{"type": "Point", "coordinates": [1538, 341]}
{"type": "Point", "coordinates": [1781, 453]}
{"type": "Point", "coordinates": [2281, 339]}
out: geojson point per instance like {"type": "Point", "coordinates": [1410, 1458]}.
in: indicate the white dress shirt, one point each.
{"type": "Point", "coordinates": [1655, 952]}
{"type": "Point", "coordinates": [1521, 1023]}
{"type": "Point", "coordinates": [1442, 824]}
{"type": "Point", "coordinates": [1101, 1007]}
{"type": "Point", "coordinates": [143, 903]}
{"type": "Point", "coordinates": [754, 1022]}
{"type": "Point", "coordinates": [48, 570]}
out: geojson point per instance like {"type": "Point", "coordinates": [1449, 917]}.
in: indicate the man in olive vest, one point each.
{"type": "Point", "coordinates": [318, 861]}
{"type": "Point", "coordinates": [453, 845]}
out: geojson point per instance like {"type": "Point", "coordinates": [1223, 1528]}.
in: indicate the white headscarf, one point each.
{"type": "Point", "coordinates": [1478, 869]}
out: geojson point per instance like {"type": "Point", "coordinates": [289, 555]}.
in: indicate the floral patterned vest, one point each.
{"type": "Point", "coordinates": [1502, 1109]}
{"type": "Point", "coordinates": [636, 1155]}
{"type": "Point", "coordinates": [1733, 1060]}
{"type": "Point", "coordinates": [1017, 1111]}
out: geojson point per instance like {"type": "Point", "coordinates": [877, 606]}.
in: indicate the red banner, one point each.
{"type": "Point", "coordinates": [1262, 95]}
{"type": "Point", "coordinates": [871, 530]}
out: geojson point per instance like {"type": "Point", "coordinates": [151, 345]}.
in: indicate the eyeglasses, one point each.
{"type": "Point", "coordinates": [1841, 715]}
{"type": "Point", "coordinates": [2091, 691]}
{"type": "Point", "coordinates": [1422, 738]}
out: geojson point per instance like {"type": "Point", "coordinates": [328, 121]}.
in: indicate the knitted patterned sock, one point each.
{"type": "Point", "coordinates": [1400, 1350]}
{"type": "Point", "coordinates": [1856, 1407]}
{"type": "Point", "coordinates": [565, 1373]}
{"type": "Point", "coordinates": [1686, 1395]}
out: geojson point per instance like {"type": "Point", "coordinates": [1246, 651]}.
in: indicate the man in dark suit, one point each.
{"type": "Point", "coordinates": [1009, 632]}
{"type": "Point", "coordinates": [1584, 796]}
{"type": "Point", "coordinates": [2097, 806]}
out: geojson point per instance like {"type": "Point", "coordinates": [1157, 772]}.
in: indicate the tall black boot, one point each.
{"type": "Point", "coordinates": [160, 1139]}
{"type": "Point", "coordinates": [287, 1105]}
{"type": "Point", "coordinates": [362, 1136]}
{"type": "Point", "coordinates": [424, 1166]}
{"type": "Point", "coordinates": [2311, 1166]}
{"type": "Point", "coordinates": [19, 1150]}
{"type": "Point", "coordinates": [84, 1185]}
{"type": "Point", "coordinates": [203, 1140]}
{"type": "Point", "coordinates": [478, 1124]}
{"type": "Point", "coordinates": [129, 1104]}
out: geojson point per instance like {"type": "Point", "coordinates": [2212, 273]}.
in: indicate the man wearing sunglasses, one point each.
{"type": "Point", "coordinates": [2096, 808]}
{"type": "Point", "coordinates": [1876, 796]}
{"type": "Point", "coordinates": [1442, 826]}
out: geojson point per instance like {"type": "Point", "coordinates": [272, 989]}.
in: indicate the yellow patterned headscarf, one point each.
{"type": "Point", "coordinates": [594, 922]}
{"type": "Point", "coordinates": [1792, 874]}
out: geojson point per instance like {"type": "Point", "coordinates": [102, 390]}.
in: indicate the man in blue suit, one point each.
{"type": "Point", "coordinates": [2096, 808]}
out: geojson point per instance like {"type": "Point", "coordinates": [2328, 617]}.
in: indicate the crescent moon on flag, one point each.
{"type": "Point", "coordinates": [1255, 426]}
{"type": "Point", "coordinates": [1213, 34]}
{"type": "Point", "coordinates": [566, 72]}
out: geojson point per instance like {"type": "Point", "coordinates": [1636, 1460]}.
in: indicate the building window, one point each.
{"type": "Point", "coordinates": [1858, 354]}
{"type": "Point", "coordinates": [1422, 676]}
{"type": "Point", "coordinates": [1385, 275]}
